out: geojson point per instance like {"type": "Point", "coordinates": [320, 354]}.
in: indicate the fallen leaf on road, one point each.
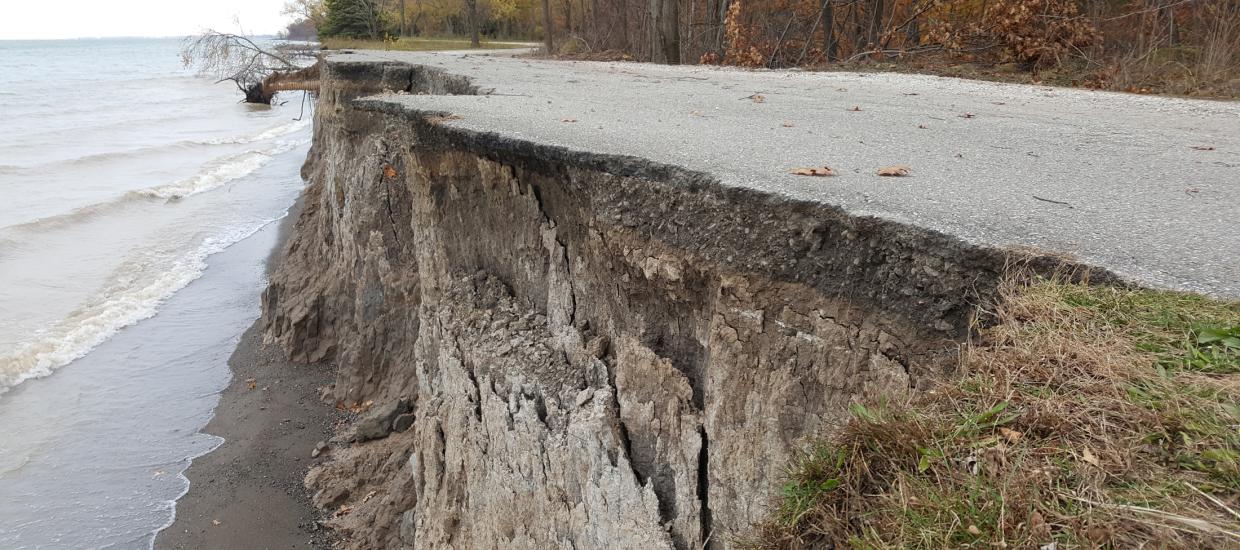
{"type": "Point", "coordinates": [894, 171]}
{"type": "Point", "coordinates": [820, 171]}
{"type": "Point", "coordinates": [1203, 147]}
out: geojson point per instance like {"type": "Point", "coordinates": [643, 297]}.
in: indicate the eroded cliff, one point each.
{"type": "Point", "coordinates": [597, 351]}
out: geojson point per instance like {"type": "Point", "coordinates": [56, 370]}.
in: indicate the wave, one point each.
{"type": "Point", "coordinates": [269, 133]}
{"type": "Point", "coordinates": [110, 156]}
{"type": "Point", "coordinates": [124, 301]}
{"type": "Point", "coordinates": [216, 175]}
{"type": "Point", "coordinates": [236, 168]}
{"type": "Point", "coordinates": [100, 158]}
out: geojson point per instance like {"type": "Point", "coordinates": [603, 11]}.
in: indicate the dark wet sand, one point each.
{"type": "Point", "coordinates": [252, 484]}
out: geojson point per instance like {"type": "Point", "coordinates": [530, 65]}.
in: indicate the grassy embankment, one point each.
{"type": "Point", "coordinates": [408, 43]}
{"type": "Point", "coordinates": [1083, 417]}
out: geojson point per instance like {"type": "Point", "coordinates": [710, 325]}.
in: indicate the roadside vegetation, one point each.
{"type": "Point", "coordinates": [408, 43]}
{"type": "Point", "coordinates": [1176, 47]}
{"type": "Point", "coordinates": [1083, 417]}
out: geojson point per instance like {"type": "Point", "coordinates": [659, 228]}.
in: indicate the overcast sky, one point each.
{"type": "Point", "coordinates": [26, 19]}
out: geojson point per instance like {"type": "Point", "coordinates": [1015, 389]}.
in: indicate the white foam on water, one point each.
{"type": "Point", "coordinates": [270, 133]}
{"type": "Point", "coordinates": [221, 172]}
{"type": "Point", "coordinates": [128, 298]}
{"type": "Point", "coordinates": [230, 169]}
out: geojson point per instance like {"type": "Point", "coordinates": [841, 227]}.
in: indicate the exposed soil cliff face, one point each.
{"type": "Point", "coordinates": [599, 352]}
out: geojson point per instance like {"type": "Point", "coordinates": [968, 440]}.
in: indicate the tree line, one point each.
{"type": "Point", "coordinates": [1115, 39]}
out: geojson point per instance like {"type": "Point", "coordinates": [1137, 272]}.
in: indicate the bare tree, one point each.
{"type": "Point", "coordinates": [829, 43]}
{"type": "Point", "coordinates": [548, 27]}
{"type": "Point", "coordinates": [311, 10]}
{"type": "Point", "coordinates": [664, 31]}
{"type": "Point", "coordinates": [403, 31]}
{"type": "Point", "coordinates": [471, 9]}
{"type": "Point", "coordinates": [236, 58]}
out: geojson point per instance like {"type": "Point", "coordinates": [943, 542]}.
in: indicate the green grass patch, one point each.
{"type": "Point", "coordinates": [1084, 416]}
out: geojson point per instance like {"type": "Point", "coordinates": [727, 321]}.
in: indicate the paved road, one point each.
{"type": "Point", "coordinates": [1148, 187]}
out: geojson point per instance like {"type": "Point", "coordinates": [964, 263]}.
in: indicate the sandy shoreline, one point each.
{"type": "Point", "coordinates": [271, 418]}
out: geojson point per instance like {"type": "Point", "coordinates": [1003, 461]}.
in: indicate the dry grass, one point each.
{"type": "Point", "coordinates": [412, 44]}
{"type": "Point", "coordinates": [1084, 417]}
{"type": "Point", "coordinates": [1203, 61]}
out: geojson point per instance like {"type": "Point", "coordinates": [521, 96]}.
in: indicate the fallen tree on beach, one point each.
{"type": "Point", "coordinates": [258, 72]}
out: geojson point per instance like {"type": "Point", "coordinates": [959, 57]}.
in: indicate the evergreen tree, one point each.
{"type": "Point", "coordinates": [351, 19]}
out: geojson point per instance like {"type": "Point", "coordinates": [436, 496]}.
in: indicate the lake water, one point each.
{"type": "Point", "coordinates": [137, 207]}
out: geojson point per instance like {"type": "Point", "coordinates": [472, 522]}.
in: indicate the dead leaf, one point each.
{"type": "Point", "coordinates": [1203, 147]}
{"type": "Point", "coordinates": [855, 108]}
{"type": "Point", "coordinates": [389, 172]}
{"type": "Point", "coordinates": [1098, 534]}
{"type": "Point", "coordinates": [1011, 435]}
{"type": "Point", "coordinates": [1038, 528]}
{"type": "Point", "coordinates": [1088, 456]}
{"type": "Point", "coordinates": [569, 120]}
{"type": "Point", "coordinates": [994, 460]}
{"type": "Point", "coordinates": [967, 115]}
{"type": "Point", "coordinates": [820, 171]}
{"type": "Point", "coordinates": [895, 171]}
